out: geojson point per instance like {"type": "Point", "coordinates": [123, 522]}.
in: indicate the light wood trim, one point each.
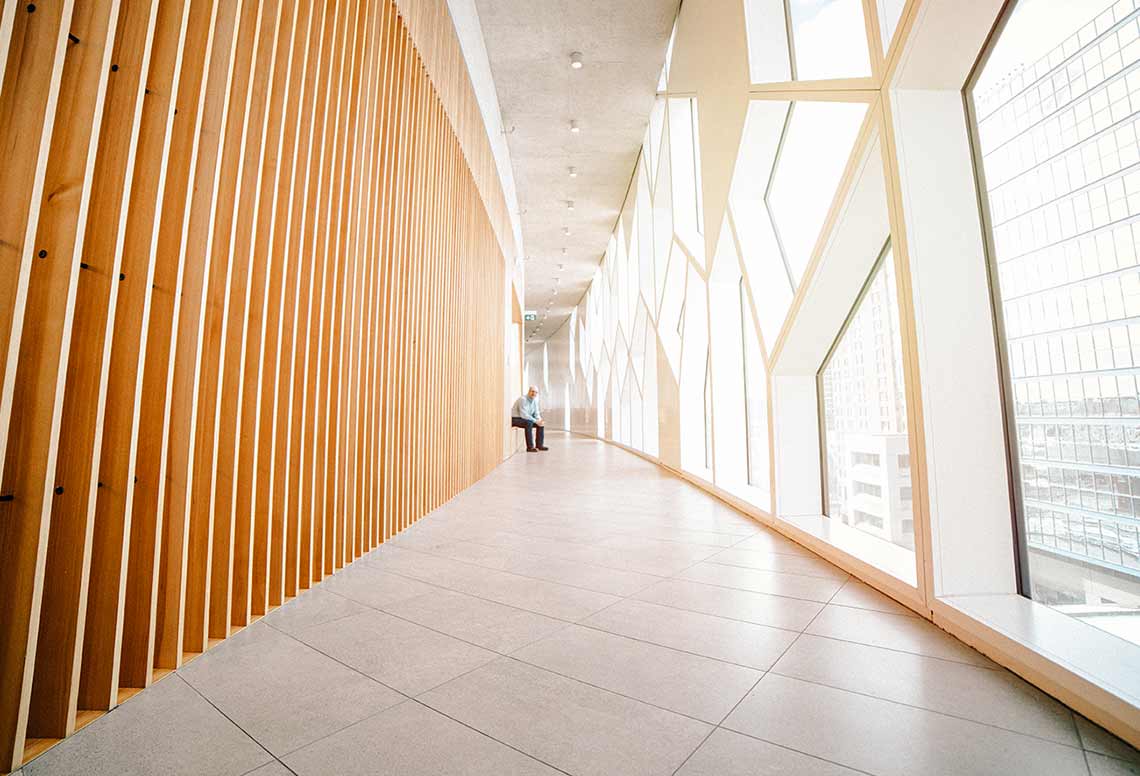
{"type": "Point", "coordinates": [265, 240]}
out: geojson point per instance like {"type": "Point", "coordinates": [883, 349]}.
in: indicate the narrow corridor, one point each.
{"type": "Point", "coordinates": [584, 612]}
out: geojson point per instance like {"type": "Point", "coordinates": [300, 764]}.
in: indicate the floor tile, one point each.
{"type": "Point", "coordinates": [745, 643]}
{"type": "Point", "coordinates": [536, 595]}
{"type": "Point", "coordinates": [773, 561]}
{"type": "Point", "coordinates": [411, 740]}
{"type": "Point", "coordinates": [486, 623]}
{"type": "Point", "coordinates": [271, 768]}
{"type": "Point", "coordinates": [166, 729]}
{"type": "Point", "coordinates": [770, 541]}
{"type": "Point", "coordinates": [570, 725]}
{"type": "Point", "coordinates": [597, 578]}
{"type": "Point", "coordinates": [731, 754]}
{"type": "Point", "coordinates": [771, 582]}
{"type": "Point", "coordinates": [860, 596]}
{"type": "Point", "coordinates": [893, 631]}
{"type": "Point", "coordinates": [1097, 739]}
{"type": "Point", "coordinates": [679, 681]}
{"type": "Point", "coordinates": [759, 608]}
{"type": "Point", "coordinates": [312, 607]}
{"type": "Point", "coordinates": [282, 693]}
{"type": "Point", "coordinates": [372, 587]}
{"type": "Point", "coordinates": [891, 739]}
{"type": "Point", "coordinates": [405, 656]}
{"type": "Point", "coordinates": [1100, 765]}
{"type": "Point", "coordinates": [980, 694]}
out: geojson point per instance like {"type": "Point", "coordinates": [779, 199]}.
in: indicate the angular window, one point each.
{"type": "Point", "coordinates": [792, 157]}
{"type": "Point", "coordinates": [818, 138]}
{"type": "Point", "coordinates": [1055, 108]}
{"type": "Point", "coordinates": [864, 416]}
{"type": "Point", "coordinates": [769, 58]}
{"type": "Point", "coordinates": [685, 172]}
{"type": "Point", "coordinates": [829, 39]}
{"type": "Point", "coordinates": [890, 11]}
{"type": "Point", "coordinates": [755, 398]}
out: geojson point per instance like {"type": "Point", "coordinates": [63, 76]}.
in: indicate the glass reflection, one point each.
{"type": "Point", "coordinates": [1056, 108]}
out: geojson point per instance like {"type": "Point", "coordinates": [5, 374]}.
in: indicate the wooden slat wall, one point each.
{"type": "Point", "coordinates": [250, 322]}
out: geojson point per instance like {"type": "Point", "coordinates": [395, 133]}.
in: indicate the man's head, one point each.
{"type": "Point", "coordinates": [532, 392]}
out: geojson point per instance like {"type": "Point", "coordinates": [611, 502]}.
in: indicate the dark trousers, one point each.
{"type": "Point", "coordinates": [530, 426]}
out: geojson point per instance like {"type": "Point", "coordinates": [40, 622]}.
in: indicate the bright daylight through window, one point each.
{"type": "Point", "coordinates": [864, 409]}
{"type": "Point", "coordinates": [1055, 108]}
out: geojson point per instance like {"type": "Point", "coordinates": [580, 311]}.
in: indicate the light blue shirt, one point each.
{"type": "Point", "coordinates": [527, 409]}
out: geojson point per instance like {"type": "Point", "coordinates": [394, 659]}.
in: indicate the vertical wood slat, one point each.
{"type": "Point", "coordinates": [233, 339]}
{"type": "Point", "coordinates": [252, 488]}
{"type": "Point", "coordinates": [46, 344]}
{"type": "Point", "coordinates": [283, 238]}
{"type": "Point", "coordinates": [110, 518]}
{"type": "Point", "coordinates": [269, 496]}
{"type": "Point", "coordinates": [27, 111]}
{"type": "Point", "coordinates": [145, 486]}
{"type": "Point", "coordinates": [181, 531]}
{"type": "Point", "coordinates": [210, 548]}
{"type": "Point", "coordinates": [299, 442]}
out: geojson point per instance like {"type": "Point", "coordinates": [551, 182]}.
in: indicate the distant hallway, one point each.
{"type": "Point", "coordinates": [582, 611]}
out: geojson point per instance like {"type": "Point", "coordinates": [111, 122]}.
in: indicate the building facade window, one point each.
{"type": "Point", "coordinates": [1056, 110]}
{"type": "Point", "coordinates": [864, 429]}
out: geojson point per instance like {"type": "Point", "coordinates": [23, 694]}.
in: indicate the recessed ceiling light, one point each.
{"type": "Point", "coordinates": [574, 126]}
{"type": "Point", "coordinates": [569, 204]}
{"type": "Point", "coordinates": [576, 60]}
{"type": "Point", "coordinates": [566, 230]}
{"type": "Point", "coordinates": [573, 172]}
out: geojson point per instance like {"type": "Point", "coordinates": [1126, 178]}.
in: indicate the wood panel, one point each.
{"type": "Point", "coordinates": [112, 457]}
{"type": "Point", "coordinates": [235, 282]}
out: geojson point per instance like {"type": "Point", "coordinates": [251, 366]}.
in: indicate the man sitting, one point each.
{"type": "Point", "coordinates": [527, 415]}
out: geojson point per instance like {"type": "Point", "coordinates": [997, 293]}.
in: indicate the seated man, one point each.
{"type": "Point", "coordinates": [526, 415]}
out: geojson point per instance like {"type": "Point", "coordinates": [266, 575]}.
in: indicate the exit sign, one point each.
{"type": "Point", "coordinates": [531, 315]}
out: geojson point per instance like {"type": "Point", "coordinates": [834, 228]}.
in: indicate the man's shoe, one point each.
{"type": "Point", "coordinates": [540, 447]}
{"type": "Point", "coordinates": [532, 449]}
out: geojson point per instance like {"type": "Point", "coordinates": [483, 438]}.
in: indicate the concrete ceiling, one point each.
{"type": "Point", "coordinates": [529, 43]}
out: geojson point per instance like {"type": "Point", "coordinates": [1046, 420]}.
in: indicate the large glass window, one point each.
{"type": "Point", "coordinates": [864, 410]}
{"type": "Point", "coordinates": [1055, 109]}
{"type": "Point", "coordinates": [818, 139]}
{"type": "Point", "coordinates": [829, 39]}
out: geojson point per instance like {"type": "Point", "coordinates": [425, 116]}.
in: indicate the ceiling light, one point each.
{"type": "Point", "coordinates": [566, 231]}
{"type": "Point", "coordinates": [576, 60]}
{"type": "Point", "coordinates": [573, 172]}
{"type": "Point", "coordinates": [574, 126]}
{"type": "Point", "coordinates": [569, 204]}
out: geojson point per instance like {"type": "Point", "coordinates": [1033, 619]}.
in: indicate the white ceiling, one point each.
{"type": "Point", "coordinates": [529, 43]}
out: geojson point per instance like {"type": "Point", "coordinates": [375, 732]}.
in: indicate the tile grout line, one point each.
{"type": "Point", "coordinates": [214, 706]}
{"type": "Point", "coordinates": [406, 698]}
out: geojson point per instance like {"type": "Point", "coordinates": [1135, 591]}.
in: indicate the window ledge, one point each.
{"type": "Point", "coordinates": [888, 558]}
{"type": "Point", "coordinates": [1089, 669]}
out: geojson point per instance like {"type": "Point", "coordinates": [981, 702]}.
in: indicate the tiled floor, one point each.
{"type": "Point", "coordinates": [582, 612]}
